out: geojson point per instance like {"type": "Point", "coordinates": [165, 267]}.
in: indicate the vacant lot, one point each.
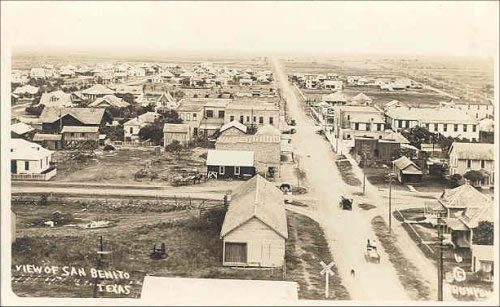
{"type": "Point", "coordinates": [121, 165]}
{"type": "Point", "coordinates": [135, 227]}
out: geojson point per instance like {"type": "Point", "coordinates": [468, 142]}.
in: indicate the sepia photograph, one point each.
{"type": "Point", "coordinates": [249, 153]}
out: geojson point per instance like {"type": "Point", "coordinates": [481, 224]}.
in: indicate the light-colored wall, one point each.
{"type": "Point", "coordinates": [134, 133]}
{"type": "Point", "coordinates": [169, 137]}
{"type": "Point", "coordinates": [187, 118]}
{"type": "Point", "coordinates": [450, 130]}
{"type": "Point", "coordinates": [35, 166]}
{"type": "Point", "coordinates": [266, 114]}
{"type": "Point", "coordinates": [264, 246]}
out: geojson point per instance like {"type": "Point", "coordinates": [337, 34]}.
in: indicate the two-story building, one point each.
{"type": "Point", "coordinates": [214, 112]}
{"type": "Point", "coordinates": [479, 109]}
{"type": "Point", "coordinates": [252, 113]}
{"type": "Point", "coordinates": [448, 121]}
{"type": "Point", "coordinates": [191, 113]}
{"type": "Point", "coordinates": [464, 157]}
{"type": "Point", "coordinates": [359, 121]}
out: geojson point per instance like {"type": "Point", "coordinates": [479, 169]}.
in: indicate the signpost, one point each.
{"type": "Point", "coordinates": [327, 272]}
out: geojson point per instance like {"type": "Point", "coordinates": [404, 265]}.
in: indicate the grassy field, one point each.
{"type": "Point", "coordinates": [136, 227]}
{"type": "Point", "coordinates": [407, 272]}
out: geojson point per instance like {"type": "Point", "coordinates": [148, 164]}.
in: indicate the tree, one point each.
{"type": "Point", "coordinates": [484, 233]}
{"type": "Point", "coordinates": [171, 117]}
{"type": "Point", "coordinates": [130, 98]}
{"type": "Point", "coordinates": [474, 176]}
{"type": "Point", "coordinates": [455, 180]}
{"type": "Point", "coordinates": [115, 133]}
{"type": "Point", "coordinates": [175, 147]}
{"type": "Point", "coordinates": [153, 132]}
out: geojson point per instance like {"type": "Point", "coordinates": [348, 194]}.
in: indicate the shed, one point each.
{"type": "Point", "coordinates": [483, 257]}
{"type": "Point", "coordinates": [407, 171]}
{"type": "Point", "coordinates": [179, 132]}
{"type": "Point", "coordinates": [230, 164]}
{"type": "Point", "coordinates": [49, 141]}
{"type": "Point", "coordinates": [255, 226]}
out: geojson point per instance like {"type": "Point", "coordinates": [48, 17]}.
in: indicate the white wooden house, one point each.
{"type": "Point", "coordinates": [255, 226]}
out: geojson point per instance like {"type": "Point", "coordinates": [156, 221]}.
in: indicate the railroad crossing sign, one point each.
{"type": "Point", "coordinates": [327, 271]}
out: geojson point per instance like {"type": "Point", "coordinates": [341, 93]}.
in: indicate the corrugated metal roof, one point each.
{"type": "Point", "coordinates": [80, 129]}
{"type": "Point", "coordinates": [256, 198]}
{"type": "Point", "coordinates": [473, 151]}
{"type": "Point", "coordinates": [232, 139]}
{"type": "Point", "coordinates": [24, 150]}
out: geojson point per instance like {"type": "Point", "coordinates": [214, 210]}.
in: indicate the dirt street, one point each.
{"type": "Point", "coordinates": [347, 232]}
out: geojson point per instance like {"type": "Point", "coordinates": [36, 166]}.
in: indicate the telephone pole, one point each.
{"type": "Point", "coordinates": [391, 179]}
{"type": "Point", "coordinates": [440, 263]}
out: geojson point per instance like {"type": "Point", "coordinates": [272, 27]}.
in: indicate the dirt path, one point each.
{"type": "Point", "coordinates": [345, 231]}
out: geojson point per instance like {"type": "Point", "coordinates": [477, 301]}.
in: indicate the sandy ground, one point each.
{"type": "Point", "coordinates": [346, 231]}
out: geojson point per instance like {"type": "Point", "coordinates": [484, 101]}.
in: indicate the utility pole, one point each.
{"type": "Point", "coordinates": [440, 263]}
{"type": "Point", "coordinates": [391, 179]}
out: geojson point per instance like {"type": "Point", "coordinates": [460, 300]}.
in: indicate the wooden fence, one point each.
{"type": "Point", "coordinates": [33, 177]}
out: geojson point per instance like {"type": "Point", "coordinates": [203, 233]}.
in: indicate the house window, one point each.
{"type": "Point", "coordinates": [248, 119]}
{"type": "Point", "coordinates": [473, 128]}
{"type": "Point", "coordinates": [348, 117]}
{"type": "Point", "coordinates": [27, 165]}
{"type": "Point", "coordinates": [235, 252]}
{"type": "Point", "coordinates": [241, 119]}
{"type": "Point", "coordinates": [254, 119]}
{"type": "Point", "coordinates": [209, 113]}
{"type": "Point", "coordinates": [271, 120]}
{"type": "Point", "coordinates": [221, 114]}
{"type": "Point", "coordinates": [436, 126]}
{"type": "Point", "coordinates": [379, 127]}
{"type": "Point", "coordinates": [367, 127]}
{"type": "Point", "coordinates": [469, 163]}
{"type": "Point", "coordinates": [407, 124]}
{"type": "Point", "coordinates": [131, 130]}
{"type": "Point", "coordinates": [455, 127]}
{"type": "Point", "coordinates": [465, 128]}
{"type": "Point", "coordinates": [187, 116]}
{"type": "Point", "coordinates": [356, 126]}
{"type": "Point", "coordinates": [231, 118]}
{"type": "Point", "coordinates": [72, 134]}
{"type": "Point", "coordinates": [482, 163]}
{"type": "Point", "coordinates": [445, 127]}
{"type": "Point", "coordinates": [261, 119]}
{"type": "Point", "coordinates": [194, 116]}
{"type": "Point", "coordinates": [222, 170]}
{"type": "Point", "coordinates": [427, 126]}
{"type": "Point", "coordinates": [236, 170]}
{"type": "Point", "coordinates": [400, 124]}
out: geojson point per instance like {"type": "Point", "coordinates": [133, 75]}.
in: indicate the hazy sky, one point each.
{"type": "Point", "coordinates": [454, 28]}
